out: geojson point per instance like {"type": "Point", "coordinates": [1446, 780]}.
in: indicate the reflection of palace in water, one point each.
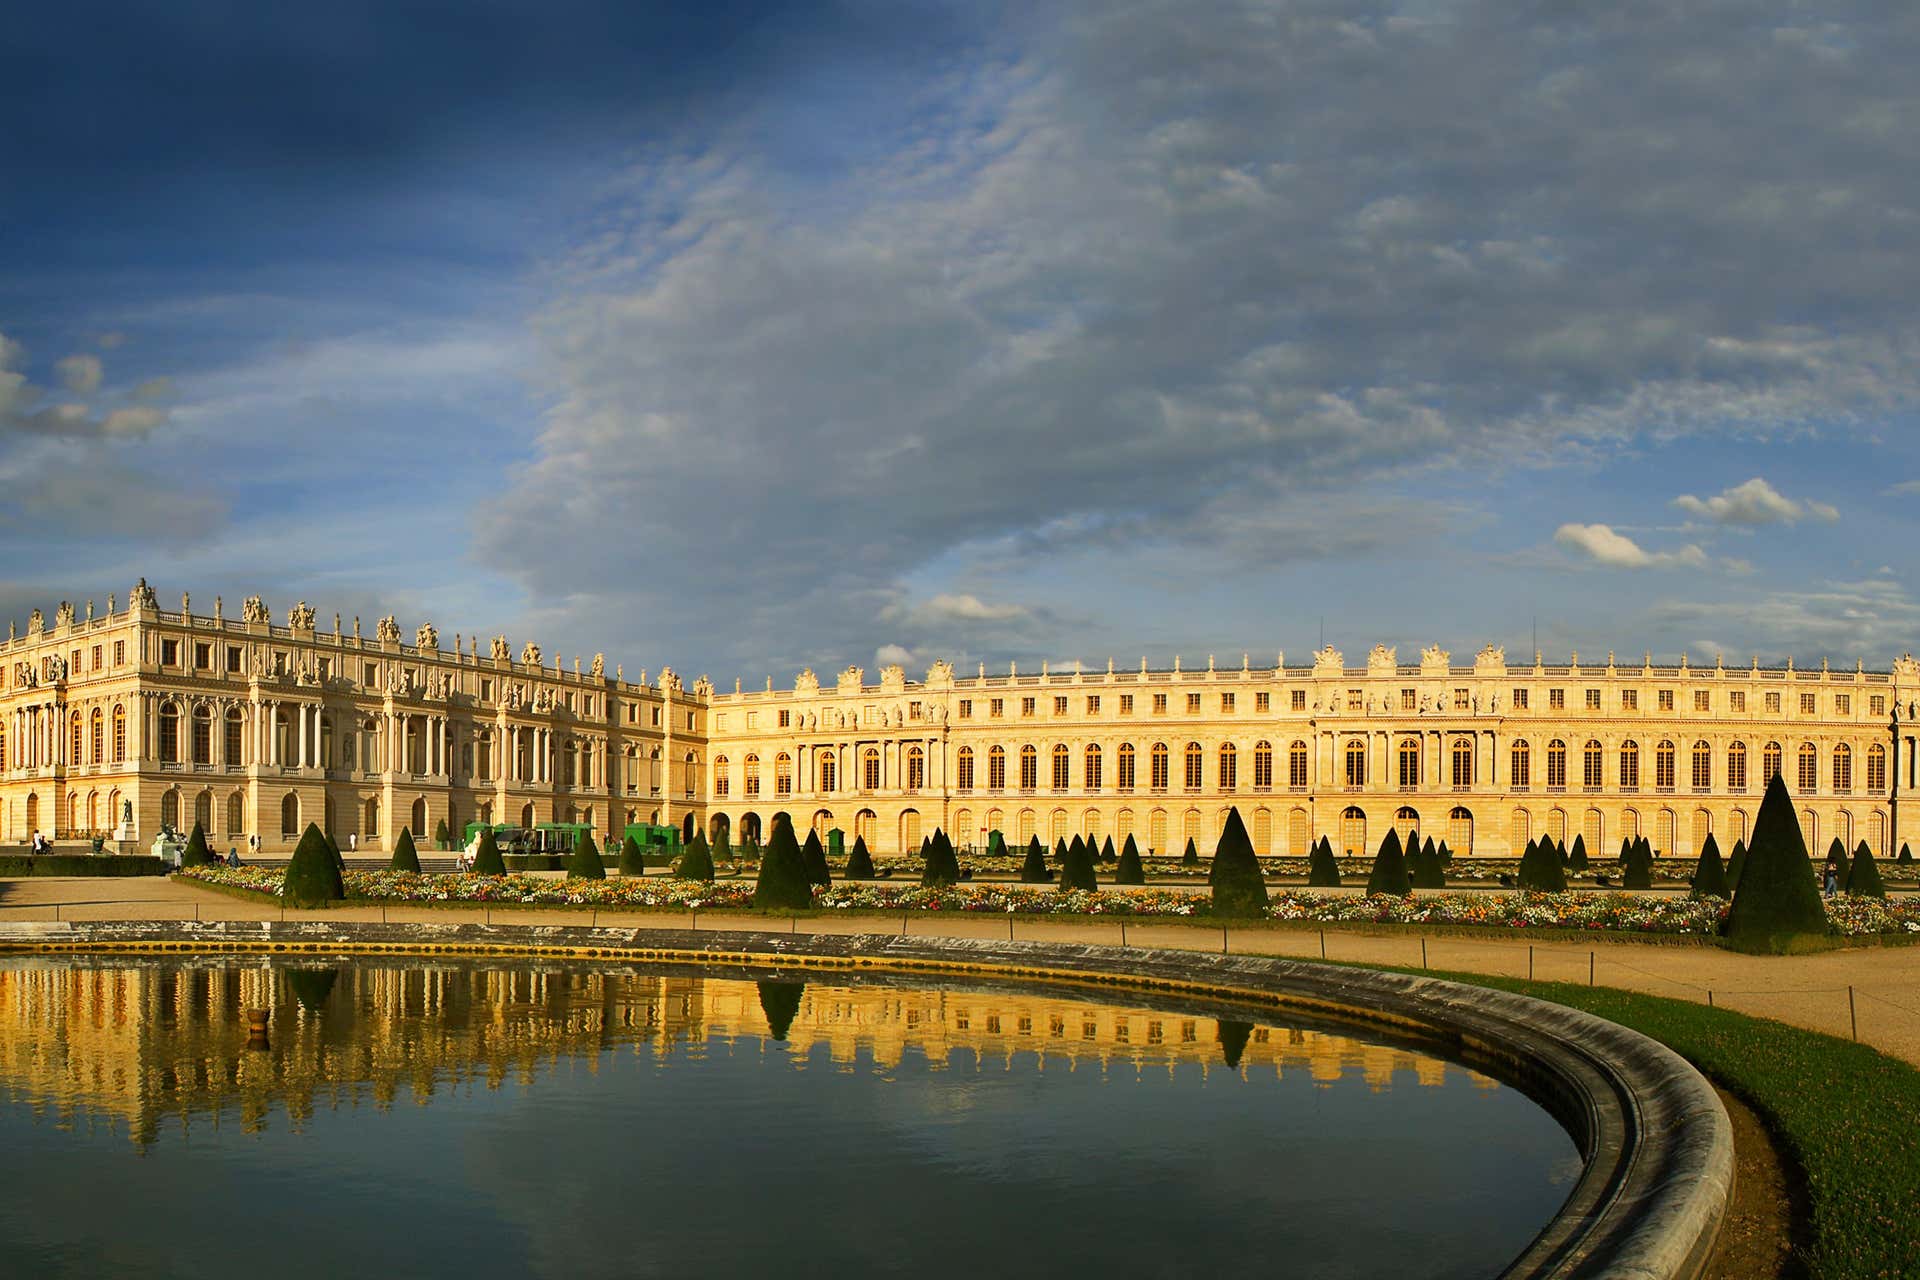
{"type": "Point", "coordinates": [142, 1042]}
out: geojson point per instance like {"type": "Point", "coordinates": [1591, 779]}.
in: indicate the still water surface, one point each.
{"type": "Point", "coordinates": [487, 1118]}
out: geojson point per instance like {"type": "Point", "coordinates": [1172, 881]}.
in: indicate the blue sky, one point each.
{"type": "Point", "coordinates": [750, 337]}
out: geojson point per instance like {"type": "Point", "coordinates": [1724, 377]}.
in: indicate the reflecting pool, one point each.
{"type": "Point", "coordinates": [428, 1118]}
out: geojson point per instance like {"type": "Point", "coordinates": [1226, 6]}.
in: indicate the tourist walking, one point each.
{"type": "Point", "coordinates": [1833, 880]}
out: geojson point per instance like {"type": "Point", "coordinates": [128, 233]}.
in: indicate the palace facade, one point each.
{"type": "Point", "coordinates": [116, 723]}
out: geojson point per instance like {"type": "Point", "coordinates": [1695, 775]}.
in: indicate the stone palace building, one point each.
{"type": "Point", "coordinates": [118, 722]}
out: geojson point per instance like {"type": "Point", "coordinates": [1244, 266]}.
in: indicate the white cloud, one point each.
{"type": "Point", "coordinates": [1600, 544]}
{"type": "Point", "coordinates": [1905, 489]}
{"type": "Point", "coordinates": [81, 374]}
{"type": "Point", "coordinates": [1754, 503]}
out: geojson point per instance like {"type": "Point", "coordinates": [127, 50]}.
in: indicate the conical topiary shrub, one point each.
{"type": "Point", "coordinates": [1577, 855]}
{"type": "Point", "coordinates": [1777, 898]}
{"type": "Point", "coordinates": [696, 860]}
{"type": "Point", "coordinates": [1626, 849]}
{"type": "Point", "coordinates": [1129, 871]}
{"type": "Point", "coordinates": [312, 879]}
{"type": "Point", "coordinates": [333, 848]}
{"type": "Point", "coordinates": [1077, 870]}
{"type": "Point", "coordinates": [1639, 869]}
{"type": "Point", "coordinates": [1541, 870]}
{"type": "Point", "coordinates": [1233, 1035]}
{"type": "Point", "coordinates": [1430, 872]}
{"type": "Point", "coordinates": [1076, 847]}
{"type": "Point", "coordinates": [1906, 854]}
{"type": "Point", "coordinates": [1190, 856]}
{"type": "Point", "coordinates": [585, 864]}
{"type": "Point", "coordinates": [405, 856]}
{"type": "Point", "coordinates": [814, 857]}
{"type": "Point", "coordinates": [1710, 876]}
{"type": "Point", "coordinates": [782, 885]}
{"type": "Point", "coordinates": [1735, 862]}
{"type": "Point", "coordinates": [721, 846]}
{"type": "Point", "coordinates": [196, 854]}
{"type": "Point", "coordinates": [1863, 877]}
{"type": "Point", "coordinates": [1323, 870]}
{"type": "Point", "coordinates": [1060, 850]}
{"type": "Point", "coordinates": [859, 862]}
{"type": "Point", "coordinates": [442, 836]}
{"type": "Point", "coordinates": [1389, 875]}
{"type": "Point", "coordinates": [486, 859]}
{"type": "Point", "coordinates": [1239, 887]}
{"type": "Point", "coordinates": [632, 861]}
{"type": "Point", "coordinates": [1034, 869]}
{"type": "Point", "coordinates": [1445, 854]}
{"type": "Point", "coordinates": [942, 867]}
{"type": "Point", "coordinates": [1837, 860]}
{"type": "Point", "coordinates": [1106, 851]}
{"type": "Point", "coordinates": [1410, 845]}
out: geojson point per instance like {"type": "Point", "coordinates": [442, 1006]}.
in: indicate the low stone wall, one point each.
{"type": "Point", "coordinates": [1657, 1144]}
{"type": "Point", "coordinates": [22, 865]}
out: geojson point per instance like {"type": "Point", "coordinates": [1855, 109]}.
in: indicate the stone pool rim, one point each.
{"type": "Point", "coordinates": [1656, 1143]}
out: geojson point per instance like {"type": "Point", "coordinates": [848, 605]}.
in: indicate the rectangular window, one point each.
{"type": "Point", "coordinates": [1409, 700]}
{"type": "Point", "coordinates": [1629, 699]}
{"type": "Point", "coordinates": [966, 709]}
{"type": "Point", "coordinates": [786, 719]}
{"type": "Point", "coordinates": [202, 656]}
{"type": "Point", "coordinates": [1059, 706]}
{"type": "Point", "coordinates": [1029, 769]}
{"type": "Point", "coordinates": [119, 653]}
{"type": "Point", "coordinates": [169, 653]}
{"type": "Point", "coordinates": [1666, 699]}
{"type": "Point", "coordinates": [1702, 700]}
{"type": "Point", "coordinates": [1807, 704]}
{"type": "Point", "coordinates": [1593, 699]}
{"type": "Point", "coordinates": [1556, 699]}
{"type": "Point", "coordinates": [1519, 699]}
{"type": "Point", "coordinates": [1878, 705]}
{"type": "Point", "coordinates": [1125, 770]}
{"type": "Point", "coordinates": [486, 691]}
{"type": "Point", "coordinates": [1093, 704]}
{"type": "Point", "coordinates": [73, 662]}
{"type": "Point", "coordinates": [1356, 700]}
{"type": "Point", "coordinates": [997, 708]}
{"type": "Point", "coordinates": [1773, 704]}
{"type": "Point", "coordinates": [1297, 766]}
{"type": "Point", "coordinates": [690, 722]}
{"type": "Point", "coordinates": [1026, 707]}
{"type": "Point", "coordinates": [233, 659]}
{"type": "Point", "coordinates": [1737, 700]}
{"type": "Point", "coordinates": [1262, 702]}
{"type": "Point", "coordinates": [1226, 704]}
{"type": "Point", "coordinates": [1193, 704]}
{"type": "Point", "coordinates": [913, 711]}
{"type": "Point", "coordinates": [1126, 704]}
{"type": "Point", "coordinates": [753, 719]}
{"type": "Point", "coordinates": [97, 664]}
{"type": "Point", "coordinates": [656, 717]}
{"type": "Point", "coordinates": [371, 676]}
{"type": "Point", "coordinates": [1843, 704]}
{"type": "Point", "coordinates": [325, 666]}
{"type": "Point", "coordinates": [1299, 699]}
{"type": "Point", "coordinates": [1159, 704]}
{"type": "Point", "coordinates": [1462, 699]}
{"type": "Point", "coordinates": [1060, 770]}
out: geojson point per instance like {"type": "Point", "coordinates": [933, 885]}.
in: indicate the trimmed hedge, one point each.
{"type": "Point", "coordinates": [780, 1001]}
{"type": "Point", "coordinates": [22, 866]}
{"type": "Point", "coordinates": [860, 861]}
{"type": "Point", "coordinates": [696, 860]}
{"type": "Point", "coordinates": [405, 856]}
{"type": "Point", "coordinates": [1577, 855]}
{"type": "Point", "coordinates": [813, 856]}
{"type": "Point", "coordinates": [1710, 877]}
{"type": "Point", "coordinates": [1190, 856]}
{"type": "Point", "coordinates": [1076, 870]}
{"type": "Point", "coordinates": [312, 878]}
{"type": "Point", "coordinates": [1863, 877]}
{"type": "Point", "coordinates": [783, 875]}
{"type": "Point", "coordinates": [1778, 897]}
{"type": "Point", "coordinates": [1239, 888]}
{"type": "Point", "coordinates": [632, 861]}
{"type": "Point", "coordinates": [1034, 870]}
{"type": "Point", "coordinates": [1639, 872]}
{"type": "Point", "coordinates": [196, 854]}
{"type": "Point", "coordinates": [1541, 870]}
{"type": "Point", "coordinates": [534, 862]}
{"type": "Point", "coordinates": [442, 835]}
{"type": "Point", "coordinates": [486, 859]}
{"type": "Point", "coordinates": [585, 863]}
{"type": "Point", "coordinates": [1323, 870]}
{"type": "Point", "coordinates": [1389, 875]}
{"type": "Point", "coordinates": [941, 866]}
{"type": "Point", "coordinates": [1129, 871]}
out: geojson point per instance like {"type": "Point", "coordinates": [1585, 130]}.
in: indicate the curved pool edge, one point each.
{"type": "Point", "coordinates": [1657, 1144]}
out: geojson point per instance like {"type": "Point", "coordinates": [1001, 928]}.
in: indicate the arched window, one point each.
{"type": "Point", "coordinates": [1462, 764]}
{"type": "Point", "coordinates": [1060, 766]}
{"type": "Point", "coordinates": [1842, 768]}
{"type": "Point", "coordinates": [1877, 771]}
{"type": "Point", "coordinates": [1229, 767]}
{"type": "Point", "coordinates": [97, 733]}
{"type": "Point", "coordinates": [1772, 756]}
{"type": "Point", "coordinates": [1702, 766]}
{"type": "Point", "coordinates": [1664, 834]}
{"type": "Point", "coordinates": [783, 774]}
{"type": "Point", "coordinates": [1663, 770]}
{"type": "Point", "coordinates": [1029, 768]}
{"type": "Point", "coordinates": [290, 815]}
{"type": "Point", "coordinates": [963, 769]}
{"type": "Point", "coordinates": [1556, 765]}
{"type": "Point", "coordinates": [203, 734]}
{"type": "Point", "coordinates": [586, 766]}
{"type": "Point", "coordinates": [721, 781]}
{"type": "Point", "coordinates": [1297, 765]}
{"type": "Point", "coordinates": [237, 814]}
{"type": "Point", "coordinates": [997, 769]}
{"type": "Point", "coordinates": [1023, 826]}
{"type": "Point", "coordinates": [1263, 766]}
{"type": "Point", "coordinates": [689, 780]}
{"type": "Point", "coordinates": [1520, 774]}
{"type": "Point", "coordinates": [870, 769]}
{"type": "Point", "coordinates": [169, 810]}
{"type": "Point", "coordinates": [1519, 829]}
{"type": "Point", "coordinates": [1596, 831]}
{"type": "Point", "coordinates": [1090, 823]}
{"type": "Point", "coordinates": [1157, 830]}
{"type": "Point", "coordinates": [750, 775]}
{"type": "Point", "coordinates": [3, 749]}
{"type": "Point", "coordinates": [1356, 763]}
{"type": "Point", "coordinates": [203, 811]}
{"type": "Point", "coordinates": [1737, 767]}
{"type": "Point", "coordinates": [569, 763]}
{"type": "Point", "coordinates": [1158, 760]}
{"type": "Point", "coordinates": [76, 751]}
{"type": "Point", "coordinates": [1409, 764]}
{"type": "Point", "coordinates": [1592, 774]}
{"type": "Point", "coordinates": [1124, 780]}
{"type": "Point", "coordinates": [1353, 833]}
{"type": "Point", "coordinates": [1196, 767]}
{"type": "Point", "coordinates": [418, 822]}
{"type": "Point", "coordinates": [1262, 831]}
{"type": "Point", "coordinates": [916, 768]}
{"type": "Point", "coordinates": [1809, 768]}
{"type": "Point", "coordinates": [1460, 832]}
{"type": "Point", "coordinates": [232, 752]}
{"type": "Point", "coordinates": [119, 735]}
{"type": "Point", "coordinates": [169, 733]}
{"type": "Point", "coordinates": [1299, 832]}
{"type": "Point", "coordinates": [1090, 766]}
{"type": "Point", "coordinates": [1405, 822]}
{"type": "Point", "coordinates": [1629, 765]}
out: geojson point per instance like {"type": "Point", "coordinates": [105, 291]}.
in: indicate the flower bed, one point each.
{"type": "Point", "coordinates": [1580, 910]}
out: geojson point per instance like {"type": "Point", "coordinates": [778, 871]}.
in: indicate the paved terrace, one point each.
{"type": "Point", "coordinates": [1873, 992]}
